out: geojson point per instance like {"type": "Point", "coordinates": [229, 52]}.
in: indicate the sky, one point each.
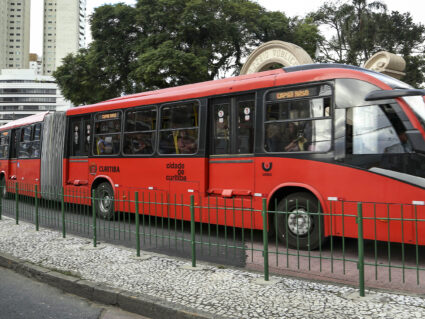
{"type": "Point", "coordinates": [290, 8]}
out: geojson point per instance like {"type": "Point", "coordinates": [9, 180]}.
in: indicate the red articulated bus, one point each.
{"type": "Point", "coordinates": [302, 137]}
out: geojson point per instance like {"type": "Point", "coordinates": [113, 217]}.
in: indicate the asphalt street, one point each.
{"type": "Point", "coordinates": [24, 298]}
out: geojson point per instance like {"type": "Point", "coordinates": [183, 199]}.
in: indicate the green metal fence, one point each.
{"type": "Point", "coordinates": [359, 240]}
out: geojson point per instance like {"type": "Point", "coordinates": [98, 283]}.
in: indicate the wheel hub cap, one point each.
{"type": "Point", "coordinates": [299, 222]}
{"type": "Point", "coordinates": [105, 203]}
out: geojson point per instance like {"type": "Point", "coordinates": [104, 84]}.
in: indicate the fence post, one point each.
{"type": "Point", "coordinates": [360, 240]}
{"type": "Point", "coordinates": [93, 206]}
{"type": "Point", "coordinates": [136, 201]}
{"type": "Point", "coordinates": [36, 206]}
{"type": "Point", "coordinates": [16, 203]}
{"type": "Point", "coordinates": [192, 229]}
{"type": "Point", "coordinates": [265, 241]}
{"type": "Point", "coordinates": [63, 213]}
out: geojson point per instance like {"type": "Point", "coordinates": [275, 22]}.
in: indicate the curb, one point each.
{"type": "Point", "coordinates": [136, 303]}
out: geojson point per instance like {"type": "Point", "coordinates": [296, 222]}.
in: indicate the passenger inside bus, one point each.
{"type": "Point", "coordinates": [274, 141]}
{"type": "Point", "coordinates": [139, 144]}
{"type": "Point", "coordinates": [295, 138]}
{"type": "Point", "coordinates": [179, 141]}
{"type": "Point", "coordinates": [186, 144]}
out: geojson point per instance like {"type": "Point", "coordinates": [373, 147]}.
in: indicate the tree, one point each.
{"type": "Point", "coordinates": [360, 29]}
{"type": "Point", "coordinates": [162, 43]}
{"type": "Point", "coordinates": [103, 70]}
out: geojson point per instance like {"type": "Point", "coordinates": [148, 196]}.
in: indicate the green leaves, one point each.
{"type": "Point", "coordinates": [360, 29]}
{"type": "Point", "coordinates": [162, 43]}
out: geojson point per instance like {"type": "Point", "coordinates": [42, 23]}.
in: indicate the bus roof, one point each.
{"type": "Point", "coordinates": [284, 76]}
{"type": "Point", "coordinates": [39, 117]}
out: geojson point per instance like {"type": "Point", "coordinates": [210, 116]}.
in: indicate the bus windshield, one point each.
{"type": "Point", "coordinates": [417, 105]}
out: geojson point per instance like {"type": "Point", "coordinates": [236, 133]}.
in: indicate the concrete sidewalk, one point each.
{"type": "Point", "coordinates": [162, 287]}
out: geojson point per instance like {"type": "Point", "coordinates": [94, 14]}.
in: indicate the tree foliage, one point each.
{"type": "Point", "coordinates": [162, 43]}
{"type": "Point", "coordinates": [360, 29]}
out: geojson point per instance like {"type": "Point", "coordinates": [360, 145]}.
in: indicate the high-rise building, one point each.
{"type": "Point", "coordinates": [14, 33]}
{"type": "Point", "coordinates": [64, 31]}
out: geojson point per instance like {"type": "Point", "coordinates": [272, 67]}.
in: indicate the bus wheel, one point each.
{"type": "Point", "coordinates": [299, 224]}
{"type": "Point", "coordinates": [105, 201]}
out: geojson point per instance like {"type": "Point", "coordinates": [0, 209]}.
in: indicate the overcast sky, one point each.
{"type": "Point", "coordinates": [291, 8]}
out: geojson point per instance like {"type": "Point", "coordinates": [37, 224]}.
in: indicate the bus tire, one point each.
{"type": "Point", "coordinates": [300, 228]}
{"type": "Point", "coordinates": [104, 201]}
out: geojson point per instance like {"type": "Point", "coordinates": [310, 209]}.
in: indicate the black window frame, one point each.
{"type": "Point", "coordinates": [233, 101]}
{"type": "Point", "coordinates": [154, 131]}
{"type": "Point", "coordinates": [94, 134]}
{"type": "Point", "coordinates": [160, 129]}
{"type": "Point", "coordinates": [296, 87]}
{"type": "Point", "coordinates": [81, 119]}
{"type": "Point", "coordinates": [35, 152]}
{"type": "Point", "coordinates": [5, 144]}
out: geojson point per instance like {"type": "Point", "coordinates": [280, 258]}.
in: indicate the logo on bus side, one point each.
{"type": "Point", "coordinates": [267, 168]}
{"type": "Point", "coordinates": [93, 169]}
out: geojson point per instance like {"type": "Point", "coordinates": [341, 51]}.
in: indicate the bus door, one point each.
{"type": "Point", "coordinates": [14, 147]}
{"type": "Point", "coordinates": [231, 136]}
{"type": "Point", "coordinates": [79, 137]}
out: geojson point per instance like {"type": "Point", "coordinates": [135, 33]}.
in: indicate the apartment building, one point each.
{"type": "Point", "coordinates": [14, 34]}
{"type": "Point", "coordinates": [64, 31]}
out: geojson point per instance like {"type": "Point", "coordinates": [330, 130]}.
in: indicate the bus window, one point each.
{"type": "Point", "coordinates": [139, 135]}
{"type": "Point", "coordinates": [245, 129]}
{"type": "Point", "coordinates": [107, 133]}
{"type": "Point", "coordinates": [35, 141]}
{"type": "Point", "coordinates": [25, 147]}
{"type": "Point", "coordinates": [79, 136]}
{"type": "Point", "coordinates": [221, 134]}
{"type": "Point", "coordinates": [299, 120]}
{"type": "Point", "coordinates": [4, 145]}
{"type": "Point", "coordinates": [371, 131]}
{"type": "Point", "coordinates": [86, 136]}
{"type": "Point", "coordinates": [232, 125]}
{"type": "Point", "coordinates": [179, 129]}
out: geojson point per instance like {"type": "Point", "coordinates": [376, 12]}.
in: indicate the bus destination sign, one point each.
{"type": "Point", "coordinates": [108, 116]}
{"type": "Point", "coordinates": [292, 94]}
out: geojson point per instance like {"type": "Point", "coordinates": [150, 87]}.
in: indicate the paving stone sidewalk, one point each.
{"type": "Point", "coordinates": [211, 291]}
